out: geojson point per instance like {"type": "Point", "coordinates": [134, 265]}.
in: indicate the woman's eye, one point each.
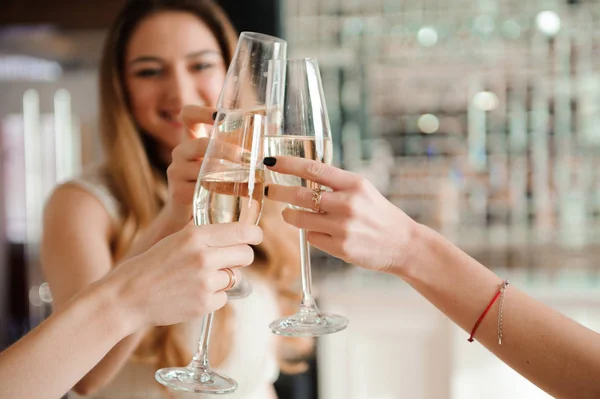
{"type": "Point", "coordinates": [147, 73]}
{"type": "Point", "coordinates": [201, 66]}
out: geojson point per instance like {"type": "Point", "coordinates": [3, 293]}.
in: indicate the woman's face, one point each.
{"type": "Point", "coordinates": [172, 60]}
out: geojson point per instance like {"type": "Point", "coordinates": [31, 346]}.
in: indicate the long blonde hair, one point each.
{"type": "Point", "coordinates": [138, 178]}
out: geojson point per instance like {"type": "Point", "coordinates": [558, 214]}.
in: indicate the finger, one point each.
{"type": "Point", "coordinates": [309, 221]}
{"type": "Point", "coordinates": [191, 150]}
{"type": "Point", "coordinates": [188, 171]}
{"type": "Point", "coordinates": [195, 118]}
{"type": "Point", "coordinates": [193, 114]}
{"type": "Point", "coordinates": [233, 281]}
{"type": "Point", "coordinates": [220, 279]}
{"type": "Point", "coordinates": [196, 149]}
{"type": "Point", "coordinates": [300, 196]}
{"type": "Point", "coordinates": [229, 234]}
{"type": "Point", "coordinates": [233, 256]}
{"type": "Point", "coordinates": [313, 171]}
{"type": "Point", "coordinates": [220, 149]}
{"type": "Point", "coordinates": [201, 130]}
{"type": "Point", "coordinates": [217, 301]}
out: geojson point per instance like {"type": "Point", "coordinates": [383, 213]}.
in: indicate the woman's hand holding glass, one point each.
{"type": "Point", "coordinates": [355, 222]}
{"type": "Point", "coordinates": [186, 160]}
{"type": "Point", "coordinates": [188, 264]}
{"type": "Point", "coordinates": [185, 166]}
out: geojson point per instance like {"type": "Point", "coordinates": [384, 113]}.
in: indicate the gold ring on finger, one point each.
{"type": "Point", "coordinates": [317, 195]}
{"type": "Point", "coordinates": [232, 278]}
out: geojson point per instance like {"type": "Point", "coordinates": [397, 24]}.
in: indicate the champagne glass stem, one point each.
{"type": "Point", "coordinates": [200, 359]}
{"type": "Point", "coordinates": [308, 303]}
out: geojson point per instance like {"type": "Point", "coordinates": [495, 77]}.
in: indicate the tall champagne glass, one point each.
{"type": "Point", "coordinates": [299, 126]}
{"type": "Point", "coordinates": [230, 185]}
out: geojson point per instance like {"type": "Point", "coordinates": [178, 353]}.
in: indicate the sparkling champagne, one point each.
{"type": "Point", "coordinates": [229, 196]}
{"type": "Point", "coordinates": [238, 135]}
{"type": "Point", "coordinates": [298, 146]}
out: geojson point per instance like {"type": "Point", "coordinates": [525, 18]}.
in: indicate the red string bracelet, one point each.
{"type": "Point", "coordinates": [487, 309]}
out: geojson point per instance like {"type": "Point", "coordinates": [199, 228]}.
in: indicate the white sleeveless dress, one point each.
{"type": "Point", "coordinates": [252, 359]}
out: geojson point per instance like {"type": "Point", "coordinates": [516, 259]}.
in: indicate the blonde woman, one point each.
{"type": "Point", "coordinates": [159, 56]}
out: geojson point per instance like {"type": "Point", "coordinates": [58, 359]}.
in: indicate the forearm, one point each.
{"type": "Point", "coordinates": [554, 352]}
{"type": "Point", "coordinates": [114, 360]}
{"type": "Point", "coordinates": [49, 360]}
{"type": "Point", "coordinates": [108, 366]}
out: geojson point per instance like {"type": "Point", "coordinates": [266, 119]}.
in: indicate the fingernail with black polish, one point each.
{"type": "Point", "coordinates": [270, 161]}
{"type": "Point", "coordinates": [266, 191]}
{"type": "Point", "coordinates": [214, 115]}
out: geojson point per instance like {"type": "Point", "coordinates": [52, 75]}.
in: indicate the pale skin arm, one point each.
{"type": "Point", "coordinates": [77, 235]}
{"type": "Point", "coordinates": [183, 268]}
{"type": "Point", "coordinates": [361, 227]}
{"type": "Point", "coordinates": [76, 252]}
{"type": "Point", "coordinates": [551, 350]}
{"type": "Point", "coordinates": [72, 340]}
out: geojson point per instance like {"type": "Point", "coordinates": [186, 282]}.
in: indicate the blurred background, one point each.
{"type": "Point", "coordinates": [479, 118]}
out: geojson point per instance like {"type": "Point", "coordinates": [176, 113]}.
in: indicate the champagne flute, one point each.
{"type": "Point", "coordinates": [243, 288]}
{"type": "Point", "coordinates": [247, 85]}
{"type": "Point", "coordinates": [230, 185]}
{"type": "Point", "coordinates": [299, 126]}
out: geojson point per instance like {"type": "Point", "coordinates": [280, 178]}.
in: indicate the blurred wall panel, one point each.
{"type": "Point", "coordinates": [20, 304]}
{"type": "Point", "coordinates": [3, 259]}
{"type": "Point", "coordinates": [254, 15]}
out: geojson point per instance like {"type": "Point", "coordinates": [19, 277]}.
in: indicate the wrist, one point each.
{"type": "Point", "coordinates": [114, 304]}
{"type": "Point", "coordinates": [414, 252]}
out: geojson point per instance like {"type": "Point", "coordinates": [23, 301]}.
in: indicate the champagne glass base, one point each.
{"type": "Point", "coordinates": [189, 380]}
{"type": "Point", "coordinates": [309, 324]}
{"type": "Point", "coordinates": [240, 291]}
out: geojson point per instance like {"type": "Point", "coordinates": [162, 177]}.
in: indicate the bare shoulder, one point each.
{"type": "Point", "coordinates": [76, 236]}
{"type": "Point", "coordinates": [73, 206]}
